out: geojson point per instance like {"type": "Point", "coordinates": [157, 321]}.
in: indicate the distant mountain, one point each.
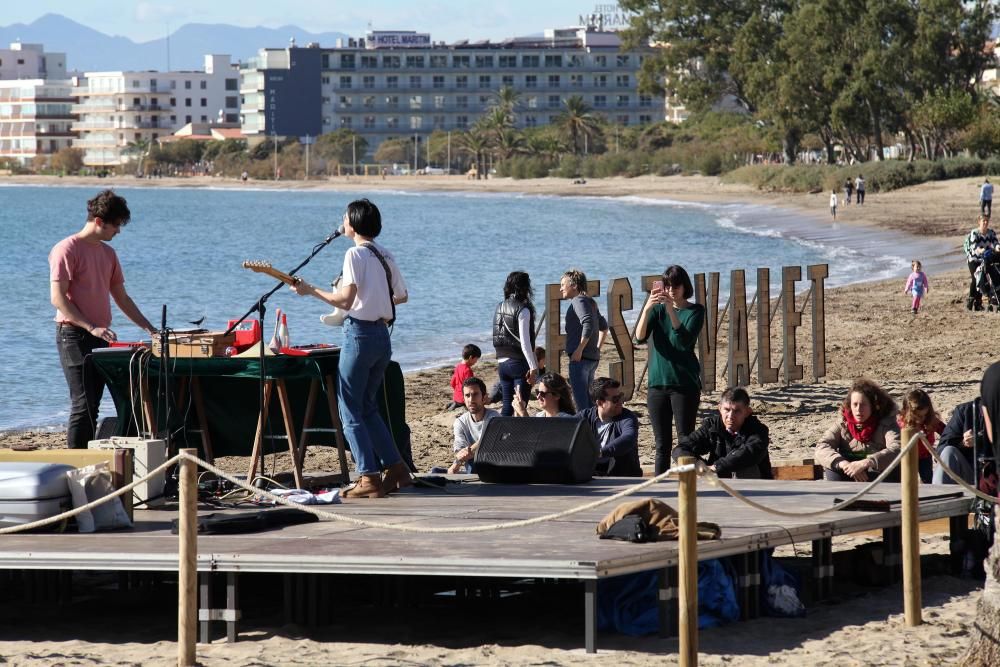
{"type": "Point", "coordinates": [89, 50]}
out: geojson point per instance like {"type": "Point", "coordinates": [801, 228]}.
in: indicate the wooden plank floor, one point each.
{"type": "Point", "coordinates": [567, 548]}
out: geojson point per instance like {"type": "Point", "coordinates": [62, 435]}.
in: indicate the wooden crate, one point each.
{"type": "Point", "coordinates": [200, 345]}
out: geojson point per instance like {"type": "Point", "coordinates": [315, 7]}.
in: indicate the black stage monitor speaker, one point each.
{"type": "Point", "coordinates": [524, 450]}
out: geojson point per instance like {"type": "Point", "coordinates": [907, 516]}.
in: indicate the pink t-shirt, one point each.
{"type": "Point", "coordinates": [92, 269]}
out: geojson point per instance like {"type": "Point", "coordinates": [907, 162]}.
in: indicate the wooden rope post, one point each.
{"type": "Point", "coordinates": [187, 574]}
{"type": "Point", "coordinates": [687, 566]}
{"type": "Point", "coordinates": [911, 532]}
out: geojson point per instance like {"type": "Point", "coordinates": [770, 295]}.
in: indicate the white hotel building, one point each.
{"type": "Point", "coordinates": [117, 109]}
{"type": "Point", "coordinates": [35, 102]}
{"type": "Point", "coordinates": [402, 84]}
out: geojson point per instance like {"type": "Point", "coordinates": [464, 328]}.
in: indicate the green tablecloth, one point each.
{"type": "Point", "coordinates": [230, 392]}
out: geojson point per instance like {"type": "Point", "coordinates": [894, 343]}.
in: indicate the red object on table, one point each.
{"type": "Point", "coordinates": [248, 333]}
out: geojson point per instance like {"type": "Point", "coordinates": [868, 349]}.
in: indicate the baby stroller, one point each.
{"type": "Point", "coordinates": [987, 277]}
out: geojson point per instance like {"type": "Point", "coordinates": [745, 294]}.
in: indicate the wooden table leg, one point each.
{"type": "Point", "coordinates": [199, 409]}
{"type": "Point", "coordinates": [331, 400]}
{"type": "Point", "coordinates": [293, 446]}
{"type": "Point", "coordinates": [259, 438]}
{"type": "Point", "coordinates": [307, 420]}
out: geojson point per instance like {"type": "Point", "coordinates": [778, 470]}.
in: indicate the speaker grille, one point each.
{"type": "Point", "coordinates": [540, 450]}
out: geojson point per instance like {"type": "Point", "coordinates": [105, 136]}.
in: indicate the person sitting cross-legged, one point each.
{"type": "Point", "coordinates": [615, 428]}
{"type": "Point", "coordinates": [957, 446]}
{"type": "Point", "coordinates": [732, 442]}
{"type": "Point", "coordinates": [470, 425]}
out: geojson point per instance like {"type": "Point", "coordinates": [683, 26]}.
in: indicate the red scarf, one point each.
{"type": "Point", "coordinates": [862, 432]}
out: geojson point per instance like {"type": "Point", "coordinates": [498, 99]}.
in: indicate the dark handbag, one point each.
{"type": "Point", "coordinates": [630, 528]}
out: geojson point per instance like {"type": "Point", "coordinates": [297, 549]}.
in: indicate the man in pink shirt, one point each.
{"type": "Point", "coordinates": [85, 274]}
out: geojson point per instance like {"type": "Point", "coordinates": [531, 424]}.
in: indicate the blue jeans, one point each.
{"type": "Point", "coordinates": [363, 359]}
{"type": "Point", "coordinates": [581, 375]}
{"type": "Point", "coordinates": [86, 385]}
{"type": "Point", "coordinates": [512, 372]}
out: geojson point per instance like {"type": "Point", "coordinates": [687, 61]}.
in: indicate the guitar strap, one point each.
{"type": "Point", "coordinates": [388, 278]}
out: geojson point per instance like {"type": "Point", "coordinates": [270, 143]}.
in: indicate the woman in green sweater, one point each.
{"type": "Point", "coordinates": [674, 371]}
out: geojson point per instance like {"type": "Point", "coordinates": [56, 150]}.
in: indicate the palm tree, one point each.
{"type": "Point", "coordinates": [577, 120]}
{"type": "Point", "coordinates": [140, 148]}
{"type": "Point", "coordinates": [508, 142]}
{"type": "Point", "coordinates": [475, 143]}
{"type": "Point", "coordinates": [509, 100]}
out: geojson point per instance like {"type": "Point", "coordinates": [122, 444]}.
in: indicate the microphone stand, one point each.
{"type": "Point", "coordinates": [260, 307]}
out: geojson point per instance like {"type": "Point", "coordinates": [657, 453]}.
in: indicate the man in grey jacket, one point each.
{"type": "Point", "coordinates": [586, 329]}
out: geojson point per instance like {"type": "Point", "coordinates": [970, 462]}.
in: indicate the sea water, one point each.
{"type": "Point", "coordinates": [185, 246]}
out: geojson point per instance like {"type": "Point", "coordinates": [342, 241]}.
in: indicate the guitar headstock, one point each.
{"type": "Point", "coordinates": [257, 265]}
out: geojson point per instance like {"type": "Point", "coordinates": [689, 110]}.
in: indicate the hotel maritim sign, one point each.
{"type": "Point", "coordinates": [606, 17]}
{"type": "Point", "coordinates": [385, 39]}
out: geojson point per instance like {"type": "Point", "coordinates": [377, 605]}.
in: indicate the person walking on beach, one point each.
{"type": "Point", "coordinates": [917, 284]}
{"type": "Point", "coordinates": [371, 287]}
{"type": "Point", "coordinates": [859, 186]}
{"type": "Point", "coordinates": [833, 204]}
{"type": "Point", "coordinates": [986, 198]}
{"type": "Point", "coordinates": [85, 275]}
{"type": "Point", "coordinates": [848, 191]}
{"type": "Point", "coordinates": [674, 324]}
{"type": "Point", "coordinates": [514, 340]}
{"type": "Point", "coordinates": [585, 332]}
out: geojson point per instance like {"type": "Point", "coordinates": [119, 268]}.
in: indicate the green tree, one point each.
{"type": "Point", "coordinates": [340, 147]}
{"type": "Point", "coordinates": [68, 160]}
{"type": "Point", "coordinates": [137, 151]}
{"type": "Point", "coordinates": [394, 151]}
{"type": "Point", "coordinates": [578, 122]}
{"type": "Point", "coordinates": [476, 144]}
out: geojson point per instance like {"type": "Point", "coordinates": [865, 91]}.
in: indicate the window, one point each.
{"type": "Point", "coordinates": [368, 82]}
{"type": "Point", "coordinates": [529, 61]}
{"type": "Point", "coordinates": [346, 121]}
{"type": "Point", "coordinates": [232, 102]}
{"type": "Point", "coordinates": [645, 118]}
{"type": "Point", "coordinates": [368, 101]}
{"type": "Point", "coordinates": [507, 81]}
{"type": "Point", "coordinates": [347, 61]}
{"type": "Point", "coordinates": [530, 121]}
{"type": "Point", "coordinates": [622, 81]}
{"type": "Point", "coordinates": [136, 102]}
{"type": "Point", "coordinates": [438, 81]}
{"type": "Point", "coordinates": [439, 101]}
{"type": "Point", "coordinates": [173, 85]}
{"type": "Point", "coordinates": [416, 122]}
{"type": "Point", "coordinates": [415, 61]}
{"type": "Point", "coordinates": [576, 80]}
{"type": "Point", "coordinates": [438, 62]}
{"type": "Point", "coordinates": [531, 81]}
{"type": "Point", "coordinates": [622, 60]}
{"type": "Point", "coordinates": [508, 61]}
{"type": "Point", "coordinates": [392, 82]}
{"type": "Point", "coordinates": [623, 100]}
{"type": "Point", "coordinates": [484, 62]}
{"type": "Point", "coordinates": [600, 101]}
{"type": "Point", "coordinates": [369, 122]}
{"type": "Point", "coordinates": [392, 101]}
{"type": "Point", "coordinates": [461, 82]}
{"type": "Point", "coordinates": [187, 103]}
{"type": "Point", "coordinates": [485, 101]}
{"type": "Point", "coordinates": [461, 122]}
{"type": "Point", "coordinates": [460, 61]}
{"type": "Point", "coordinates": [553, 60]}
{"type": "Point", "coordinates": [623, 120]}
{"type": "Point", "coordinates": [187, 84]}
{"type": "Point", "coordinates": [204, 102]}
{"type": "Point", "coordinates": [392, 122]}
{"type": "Point", "coordinates": [187, 119]}
{"type": "Point", "coordinates": [346, 101]}
{"type": "Point", "coordinates": [390, 62]}
{"type": "Point", "coordinates": [531, 102]}
{"type": "Point", "coordinates": [576, 61]}
{"type": "Point", "coordinates": [601, 61]}
{"type": "Point", "coordinates": [553, 101]}
{"type": "Point", "coordinates": [645, 100]}
{"type": "Point", "coordinates": [324, 79]}
{"type": "Point", "coordinates": [438, 122]}
{"type": "Point", "coordinates": [345, 82]}
{"type": "Point", "coordinates": [461, 102]}
{"type": "Point", "coordinates": [416, 101]}
{"type": "Point", "coordinates": [553, 80]}
{"type": "Point", "coordinates": [484, 81]}
{"type": "Point", "coordinates": [600, 81]}
{"type": "Point", "coordinates": [415, 81]}
{"type": "Point", "coordinates": [369, 62]}
{"type": "Point", "coordinates": [204, 119]}
{"type": "Point", "coordinates": [204, 85]}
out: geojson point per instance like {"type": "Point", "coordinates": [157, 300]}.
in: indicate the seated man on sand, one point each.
{"type": "Point", "coordinates": [733, 442]}
{"type": "Point", "coordinates": [469, 426]}
{"type": "Point", "coordinates": [957, 446]}
{"type": "Point", "coordinates": [615, 428]}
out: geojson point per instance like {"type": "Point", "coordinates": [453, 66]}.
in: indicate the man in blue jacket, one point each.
{"type": "Point", "coordinates": [616, 430]}
{"type": "Point", "coordinates": [733, 442]}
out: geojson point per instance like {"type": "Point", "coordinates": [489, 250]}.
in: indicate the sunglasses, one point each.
{"type": "Point", "coordinates": [543, 394]}
{"type": "Point", "coordinates": [617, 398]}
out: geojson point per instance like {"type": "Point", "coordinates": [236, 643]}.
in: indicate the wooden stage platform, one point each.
{"type": "Point", "coordinates": [566, 549]}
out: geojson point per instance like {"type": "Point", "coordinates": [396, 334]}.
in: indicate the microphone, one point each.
{"type": "Point", "coordinates": [339, 231]}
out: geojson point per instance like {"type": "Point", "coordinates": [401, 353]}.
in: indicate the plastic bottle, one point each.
{"type": "Point", "coordinates": [283, 332]}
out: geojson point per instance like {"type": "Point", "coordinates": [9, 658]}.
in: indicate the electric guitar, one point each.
{"type": "Point", "coordinates": [258, 266]}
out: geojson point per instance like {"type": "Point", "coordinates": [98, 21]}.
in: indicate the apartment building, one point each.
{"type": "Point", "coordinates": [402, 84]}
{"type": "Point", "coordinates": [120, 110]}
{"type": "Point", "coordinates": [35, 103]}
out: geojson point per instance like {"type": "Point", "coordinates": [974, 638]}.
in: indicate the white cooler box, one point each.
{"type": "Point", "coordinates": [147, 455]}
{"type": "Point", "coordinates": [32, 491]}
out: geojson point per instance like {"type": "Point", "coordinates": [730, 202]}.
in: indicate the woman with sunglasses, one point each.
{"type": "Point", "coordinates": [674, 323]}
{"type": "Point", "coordinates": [554, 398]}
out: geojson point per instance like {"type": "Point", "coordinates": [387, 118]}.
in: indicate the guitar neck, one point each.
{"type": "Point", "coordinates": [266, 268]}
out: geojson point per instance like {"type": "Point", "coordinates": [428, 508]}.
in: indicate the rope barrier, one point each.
{"type": "Point", "coordinates": [956, 477]}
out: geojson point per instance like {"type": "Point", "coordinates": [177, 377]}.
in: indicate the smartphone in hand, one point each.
{"type": "Point", "coordinates": [657, 285]}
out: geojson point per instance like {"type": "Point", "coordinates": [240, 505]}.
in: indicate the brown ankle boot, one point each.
{"type": "Point", "coordinates": [365, 486]}
{"type": "Point", "coordinates": [397, 477]}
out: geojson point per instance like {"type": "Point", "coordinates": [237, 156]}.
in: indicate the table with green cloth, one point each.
{"type": "Point", "coordinates": [222, 395]}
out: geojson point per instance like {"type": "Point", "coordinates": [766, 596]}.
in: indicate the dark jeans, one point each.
{"type": "Point", "coordinates": [512, 376]}
{"type": "Point", "coordinates": [861, 196]}
{"type": "Point", "coordinates": [86, 385]}
{"type": "Point", "coordinates": [668, 407]}
{"type": "Point", "coordinates": [986, 207]}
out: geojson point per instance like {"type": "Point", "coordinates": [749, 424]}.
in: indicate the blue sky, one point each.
{"type": "Point", "coordinates": [143, 20]}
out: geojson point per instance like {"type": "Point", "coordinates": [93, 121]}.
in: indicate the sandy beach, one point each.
{"type": "Point", "coordinates": [870, 331]}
